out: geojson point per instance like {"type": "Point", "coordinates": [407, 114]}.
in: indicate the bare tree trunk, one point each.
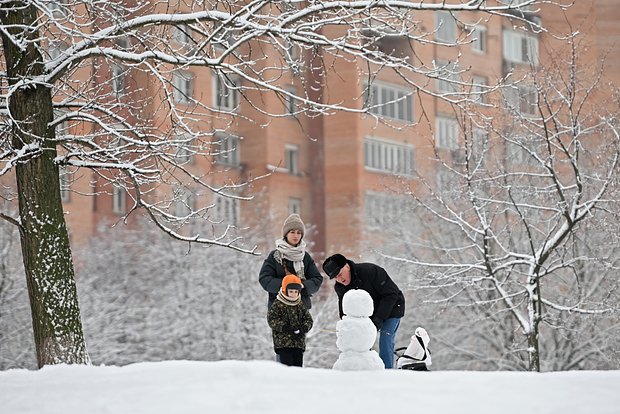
{"type": "Point", "coordinates": [536, 316]}
{"type": "Point", "coordinates": [46, 251]}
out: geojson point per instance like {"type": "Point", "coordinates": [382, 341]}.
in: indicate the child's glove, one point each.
{"type": "Point", "coordinates": [291, 329]}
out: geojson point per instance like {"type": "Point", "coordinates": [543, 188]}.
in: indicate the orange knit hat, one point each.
{"type": "Point", "coordinates": [291, 282]}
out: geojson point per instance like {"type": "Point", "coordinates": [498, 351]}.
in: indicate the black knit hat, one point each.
{"type": "Point", "coordinates": [333, 264]}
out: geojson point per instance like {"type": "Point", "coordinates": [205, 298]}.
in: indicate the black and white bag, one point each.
{"type": "Point", "coordinates": [416, 356]}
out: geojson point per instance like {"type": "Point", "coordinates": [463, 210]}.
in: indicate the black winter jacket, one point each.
{"type": "Point", "coordinates": [272, 273]}
{"type": "Point", "coordinates": [388, 300]}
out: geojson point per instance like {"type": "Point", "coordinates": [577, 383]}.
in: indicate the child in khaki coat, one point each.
{"type": "Point", "coordinates": [289, 320]}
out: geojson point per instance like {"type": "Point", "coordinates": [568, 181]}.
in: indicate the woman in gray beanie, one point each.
{"type": "Point", "coordinates": [290, 257]}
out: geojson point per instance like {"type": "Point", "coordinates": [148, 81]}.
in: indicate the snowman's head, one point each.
{"type": "Point", "coordinates": [357, 303]}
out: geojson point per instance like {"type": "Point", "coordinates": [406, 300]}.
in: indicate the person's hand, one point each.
{"type": "Point", "coordinates": [377, 321]}
{"type": "Point", "coordinates": [291, 329]}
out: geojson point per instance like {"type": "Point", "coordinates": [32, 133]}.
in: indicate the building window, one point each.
{"type": "Point", "coordinates": [444, 180]}
{"type": "Point", "coordinates": [182, 83]}
{"type": "Point", "coordinates": [479, 138]}
{"type": "Point", "coordinates": [292, 159]}
{"type": "Point", "coordinates": [522, 99]}
{"type": "Point", "coordinates": [382, 209]}
{"type": "Point", "coordinates": [225, 37]}
{"type": "Point", "coordinates": [118, 80]}
{"type": "Point", "coordinates": [119, 199]}
{"type": "Point", "coordinates": [294, 205]}
{"type": "Point", "coordinates": [390, 101]}
{"type": "Point", "coordinates": [390, 157]}
{"type": "Point", "coordinates": [446, 133]}
{"type": "Point", "coordinates": [447, 77]}
{"type": "Point", "coordinates": [479, 39]}
{"type": "Point", "coordinates": [62, 128]}
{"type": "Point", "coordinates": [227, 210]}
{"type": "Point", "coordinates": [184, 202]}
{"type": "Point", "coordinates": [66, 178]}
{"type": "Point", "coordinates": [518, 154]}
{"type": "Point", "coordinates": [520, 47]}
{"type": "Point", "coordinates": [289, 101]}
{"type": "Point", "coordinates": [445, 27]}
{"type": "Point", "coordinates": [292, 55]}
{"type": "Point", "coordinates": [227, 149]}
{"type": "Point", "coordinates": [58, 8]}
{"type": "Point", "coordinates": [478, 89]}
{"type": "Point", "coordinates": [226, 92]}
{"type": "Point", "coordinates": [516, 3]}
{"type": "Point", "coordinates": [56, 49]}
{"type": "Point", "coordinates": [184, 149]}
{"type": "Point", "coordinates": [182, 35]}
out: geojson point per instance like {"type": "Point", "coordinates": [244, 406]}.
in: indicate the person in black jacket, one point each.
{"type": "Point", "coordinates": [388, 300]}
{"type": "Point", "coordinates": [290, 257]}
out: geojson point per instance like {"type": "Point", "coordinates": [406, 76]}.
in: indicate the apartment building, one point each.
{"type": "Point", "coordinates": [341, 171]}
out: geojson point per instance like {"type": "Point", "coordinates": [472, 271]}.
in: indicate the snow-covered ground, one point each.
{"type": "Point", "coordinates": [175, 387]}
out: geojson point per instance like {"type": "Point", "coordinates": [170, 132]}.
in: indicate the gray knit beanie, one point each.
{"type": "Point", "coordinates": [293, 222]}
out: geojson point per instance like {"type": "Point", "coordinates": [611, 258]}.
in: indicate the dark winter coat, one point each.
{"type": "Point", "coordinates": [280, 316]}
{"type": "Point", "coordinates": [388, 300]}
{"type": "Point", "coordinates": [272, 273]}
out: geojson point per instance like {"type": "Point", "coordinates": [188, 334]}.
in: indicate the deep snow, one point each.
{"type": "Point", "coordinates": [223, 387]}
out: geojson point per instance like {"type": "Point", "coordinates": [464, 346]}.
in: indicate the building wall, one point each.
{"type": "Point", "coordinates": [332, 180]}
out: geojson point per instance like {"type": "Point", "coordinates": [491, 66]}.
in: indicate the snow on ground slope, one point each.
{"type": "Point", "coordinates": [224, 387]}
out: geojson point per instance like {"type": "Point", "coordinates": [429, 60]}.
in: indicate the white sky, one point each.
{"type": "Point", "coordinates": [175, 387]}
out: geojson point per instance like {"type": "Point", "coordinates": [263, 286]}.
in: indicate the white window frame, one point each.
{"type": "Point", "coordinates": [184, 202]}
{"type": "Point", "coordinates": [227, 147]}
{"type": "Point", "coordinates": [478, 89]}
{"type": "Point", "coordinates": [518, 155]}
{"type": "Point", "coordinates": [119, 199]}
{"type": "Point", "coordinates": [292, 53]}
{"type": "Point", "coordinates": [225, 92]}
{"type": "Point", "coordinates": [446, 133]}
{"type": "Point", "coordinates": [62, 128]}
{"type": "Point", "coordinates": [381, 209]}
{"type": "Point", "coordinates": [517, 2]}
{"type": "Point", "coordinates": [294, 205]}
{"type": "Point", "coordinates": [445, 27]}
{"type": "Point", "coordinates": [448, 77]}
{"type": "Point", "coordinates": [183, 83]}
{"type": "Point", "coordinates": [522, 99]}
{"type": "Point", "coordinates": [227, 210]}
{"type": "Point", "coordinates": [479, 39]}
{"type": "Point", "coordinates": [58, 8]}
{"type": "Point", "coordinates": [479, 138]}
{"type": "Point", "coordinates": [182, 35]}
{"type": "Point", "coordinates": [390, 101]}
{"type": "Point", "coordinates": [444, 179]}
{"type": "Point", "coordinates": [519, 47]}
{"type": "Point", "coordinates": [65, 177]}
{"type": "Point", "coordinates": [184, 149]}
{"type": "Point", "coordinates": [118, 79]}
{"type": "Point", "coordinates": [56, 49]}
{"type": "Point", "coordinates": [225, 41]}
{"type": "Point", "coordinates": [381, 155]}
{"type": "Point", "coordinates": [291, 157]}
{"type": "Point", "coordinates": [289, 101]}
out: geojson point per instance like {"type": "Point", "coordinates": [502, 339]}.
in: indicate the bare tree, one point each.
{"type": "Point", "coordinates": [66, 64]}
{"type": "Point", "coordinates": [517, 223]}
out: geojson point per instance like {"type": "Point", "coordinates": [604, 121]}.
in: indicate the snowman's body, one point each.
{"type": "Point", "coordinates": [356, 334]}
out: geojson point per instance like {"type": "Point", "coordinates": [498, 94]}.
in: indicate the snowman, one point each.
{"type": "Point", "coordinates": [356, 334]}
